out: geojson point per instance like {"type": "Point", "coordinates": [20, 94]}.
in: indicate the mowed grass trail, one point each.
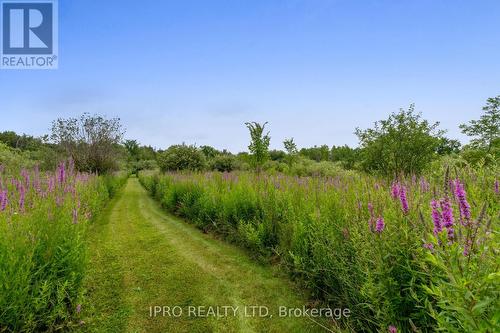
{"type": "Point", "coordinates": [142, 257]}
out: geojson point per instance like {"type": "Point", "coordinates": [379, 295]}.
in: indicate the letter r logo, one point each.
{"type": "Point", "coordinates": [27, 27]}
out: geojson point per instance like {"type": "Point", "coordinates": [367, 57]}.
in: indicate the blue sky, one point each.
{"type": "Point", "coordinates": [195, 71]}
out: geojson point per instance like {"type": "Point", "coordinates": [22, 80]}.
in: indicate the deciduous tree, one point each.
{"type": "Point", "coordinates": [259, 144]}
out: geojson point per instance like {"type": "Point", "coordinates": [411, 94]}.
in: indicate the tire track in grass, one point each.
{"type": "Point", "coordinates": [141, 257]}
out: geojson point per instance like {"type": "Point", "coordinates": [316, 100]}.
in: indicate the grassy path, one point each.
{"type": "Point", "coordinates": [142, 257]}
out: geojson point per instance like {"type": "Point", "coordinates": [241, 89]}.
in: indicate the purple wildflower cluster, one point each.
{"type": "Point", "coordinates": [428, 246]}
{"type": "Point", "coordinates": [465, 215]}
{"type": "Point", "coordinates": [379, 227]}
{"type": "Point", "coordinates": [3, 199]}
{"type": "Point", "coordinates": [442, 217]}
{"type": "Point", "coordinates": [436, 217]}
{"type": "Point", "coordinates": [404, 200]}
{"type": "Point", "coordinates": [395, 190]}
{"type": "Point", "coordinates": [399, 191]}
{"type": "Point", "coordinates": [424, 185]}
{"type": "Point", "coordinates": [375, 224]}
{"type": "Point", "coordinates": [447, 214]}
{"type": "Point", "coordinates": [19, 195]}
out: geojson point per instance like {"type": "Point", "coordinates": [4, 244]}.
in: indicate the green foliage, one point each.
{"type": "Point", "coordinates": [140, 157]}
{"type": "Point", "coordinates": [209, 152]}
{"type": "Point", "coordinates": [22, 142]}
{"type": "Point", "coordinates": [486, 130]}
{"type": "Point", "coordinates": [144, 165]}
{"type": "Point", "coordinates": [316, 153]}
{"type": "Point", "coordinates": [481, 157]}
{"type": "Point", "coordinates": [223, 163]}
{"type": "Point", "coordinates": [18, 151]}
{"type": "Point", "coordinates": [42, 247]}
{"type": "Point", "coordinates": [259, 144]}
{"type": "Point", "coordinates": [402, 144]}
{"type": "Point", "coordinates": [273, 167]}
{"type": "Point", "coordinates": [464, 295]}
{"type": "Point", "coordinates": [181, 157]}
{"type": "Point", "coordinates": [306, 167]}
{"type": "Point", "coordinates": [133, 148]}
{"type": "Point", "coordinates": [346, 156]}
{"type": "Point", "coordinates": [448, 146]}
{"type": "Point", "coordinates": [319, 228]}
{"type": "Point", "coordinates": [146, 153]}
{"type": "Point", "coordinates": [91, 141]}
{"type": "Point", "coordinates": [277, 155]}
{"type": "Point", "coordinates": [13, 160]}
{"type": "Point", "coordinates": [291, 150]}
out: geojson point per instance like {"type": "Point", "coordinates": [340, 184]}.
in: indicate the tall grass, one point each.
{"type": "Point", "coordinates": [360, 242]}
{"type": "Point", "coordinates": [43, 219]}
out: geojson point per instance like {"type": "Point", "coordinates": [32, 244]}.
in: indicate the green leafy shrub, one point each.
{"type": "Point", "coordinates": [402, 144]}
{"type": "Point", "coordinates": [12, 160]}
{"type": "Point", "coordinates": [223, 163]}
{"type": "Point", "coordinates": [181, 157]}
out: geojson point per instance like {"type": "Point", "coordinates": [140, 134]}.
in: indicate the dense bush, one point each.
{"type": "Point", "coordinates": [92, 141]}
{"type": "Point", "coordinates": [140, 165]}
{"type": "Point", "coordinates": [13, 159]}
{"type": "Point", "coordinates": [181, 157]}
{"type": "Point", "coordinates": [43, 220]}
{"type": "Point", "coordinates": [384, 250]}
{"type": "Point", "coordinates": [402, 144]}
{"type": "Point", "coordinates": [223, 163]}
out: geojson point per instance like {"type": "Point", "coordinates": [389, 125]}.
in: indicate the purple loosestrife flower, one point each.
{"type": "Point", "coordinates": [393, 329]}
{"type": "Point", "coordinates": [1, 199]}
{"type": "Point", "coordinates": [436, 217]}
{"type": "Point", "coordinates": [447, 214]}
{"type": "Point", "coordinates": [428, 246]}
{"type": "Point", "coordinates": [51, 184]}
{"type": "Point", "coordinates": [462, 203]}
{"type": "Point", "coordinates": [61, 173]}
{"type": "Point", "coordinates": [395, 190]}
{"type": "Point", "coordinates": [22, 197]}
{"type": "Point", "coordinates": [497, 187]}
{"type": "Point", "coordinates": [78, 308]}
{"type": "Point", "coordinates": [26, 176]}
{"type": "Point", "coordinates": [371, 221]}
{"type": "Point", "coordinates": [424, 184]}
{"type": "Point", "coordinates": [3, 203]}
{"type": "Point", "coordinates": [404, 200]}
{"type": "Point", "coordinates": [370, 208]}
{"type": "Point", "coordinates": [380, 225]}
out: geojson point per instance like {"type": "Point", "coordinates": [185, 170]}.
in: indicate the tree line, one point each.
{"type": "Point", "coordinates": [404, 143]}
